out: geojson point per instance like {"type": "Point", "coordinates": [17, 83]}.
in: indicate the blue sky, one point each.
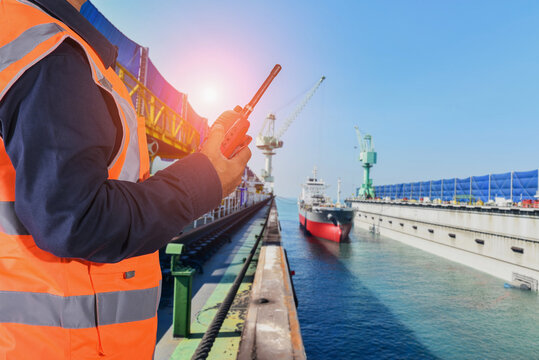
{"type": "Point", "coordinates": [446, 88]}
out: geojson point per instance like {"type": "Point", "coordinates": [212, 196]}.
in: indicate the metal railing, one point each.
{"type": "Point", "coordinates": [204, 347]}
{"type": "Point", "coordinates": [229, 205]}
{"type": "Point", "coordinates": [189, 253]}
{"type": "Point", "coordinates": [513, 186]}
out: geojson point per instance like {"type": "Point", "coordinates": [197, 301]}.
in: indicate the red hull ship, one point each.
{"type": "Point", "coordinates": [319, 216]}
{"type": "Point", "coordinates": [325, 230]}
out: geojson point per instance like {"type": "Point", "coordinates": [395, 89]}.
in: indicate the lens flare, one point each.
{"type": "Point", "coordinates": [209, 94]}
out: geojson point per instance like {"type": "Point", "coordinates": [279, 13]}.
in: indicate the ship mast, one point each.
{"type": "Point", "coordinates": [338, 192]}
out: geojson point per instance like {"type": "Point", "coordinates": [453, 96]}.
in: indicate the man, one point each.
{"type": "Point", "coordinates": [80, 221]}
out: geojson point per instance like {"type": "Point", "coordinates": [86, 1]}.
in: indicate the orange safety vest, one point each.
{"type": "Point", "coordinates": [60, 308]}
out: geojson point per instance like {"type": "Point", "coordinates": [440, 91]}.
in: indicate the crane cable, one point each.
{"type": "Point", "coordinates": [296, 98]}
{"type": "Point", "coordinates": [299, 109]}
{"type": "Point", "coordinates": [290, 102]}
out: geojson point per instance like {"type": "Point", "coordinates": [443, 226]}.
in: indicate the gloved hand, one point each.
{"type": "Point", "coordinates": [229, 170]}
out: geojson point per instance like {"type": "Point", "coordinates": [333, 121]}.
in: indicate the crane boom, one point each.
{"type": "Point", "coordinates": [300, 107]}
{"type": "Point", "coordinates": [359, 139]}
{"type": "Point", "coordinates": [267, 141]}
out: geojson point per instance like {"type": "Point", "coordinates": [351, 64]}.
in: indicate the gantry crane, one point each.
{"type": "Point", "coordinates": [267, 141]}
{"type": "Point", "coordinates": [367, 156]}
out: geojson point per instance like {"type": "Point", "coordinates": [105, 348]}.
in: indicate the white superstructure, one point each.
{"type": "Point", "coordinates": [313, 192]}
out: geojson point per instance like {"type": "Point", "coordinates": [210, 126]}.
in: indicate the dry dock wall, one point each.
{"type": "Point", "coordinates": [501, 242]}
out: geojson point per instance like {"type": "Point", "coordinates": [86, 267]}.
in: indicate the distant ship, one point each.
{"type": "Point", "coordinates": [319, 216]}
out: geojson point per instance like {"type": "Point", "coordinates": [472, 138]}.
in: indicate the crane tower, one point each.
{"type": "Point", "coordinates": [367, 156]}
{"type": "Point", "coordinates": [268, 141]}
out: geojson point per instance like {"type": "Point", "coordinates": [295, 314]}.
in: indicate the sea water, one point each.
{"type": "Point", "coordinates": [376, 298]}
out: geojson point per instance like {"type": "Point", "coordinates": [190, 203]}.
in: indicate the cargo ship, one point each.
{"type": "Point", "coordinates": [318, 215]}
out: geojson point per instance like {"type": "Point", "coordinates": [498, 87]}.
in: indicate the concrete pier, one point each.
{"type": "Point", "coordinates": [271, 330]}
{"type": "Point", "coordinates": [503, 242]}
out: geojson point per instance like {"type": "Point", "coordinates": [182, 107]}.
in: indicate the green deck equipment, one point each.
{"type": "Point", "coordinates": [183, 282]}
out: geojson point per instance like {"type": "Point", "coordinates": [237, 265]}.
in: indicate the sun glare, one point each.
{"type": "Point", "coordinates": [209, 95]}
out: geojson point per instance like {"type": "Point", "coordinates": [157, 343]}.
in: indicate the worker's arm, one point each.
{"type": "Point", "coordinates": [59, 134]}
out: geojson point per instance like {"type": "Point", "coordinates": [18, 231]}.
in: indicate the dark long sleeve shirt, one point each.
{"type": "Point", "coordinates": [60, 136]}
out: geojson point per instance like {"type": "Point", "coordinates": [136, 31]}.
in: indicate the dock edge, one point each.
{"type": "Point", "coordinates": [271, 330]}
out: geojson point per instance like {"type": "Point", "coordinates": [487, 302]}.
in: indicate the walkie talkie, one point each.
{"type": "Point", "coordinates": [236, 137]}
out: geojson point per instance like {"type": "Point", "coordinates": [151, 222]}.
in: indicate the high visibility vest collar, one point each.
{"type": "Point", "coordinates": [23, 45]}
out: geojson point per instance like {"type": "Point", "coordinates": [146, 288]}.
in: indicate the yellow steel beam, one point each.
{"type": "Point", "coordinates": [162, 122]}
{"type": "Point", "coordinates": [135, 89]}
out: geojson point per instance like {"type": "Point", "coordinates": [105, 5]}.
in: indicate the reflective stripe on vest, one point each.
{"type": "Point", "coordinates": [131, 167]}
{"type": "Point", "coordinates": [9, 222]}
{"type": "Point", "coordinates": [78, 312]}
{"type": "Point", "coordinates": [26, 42]}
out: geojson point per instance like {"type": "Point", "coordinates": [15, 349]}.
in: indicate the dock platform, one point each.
{"type": "Point", "coordinates": [262, 321]}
